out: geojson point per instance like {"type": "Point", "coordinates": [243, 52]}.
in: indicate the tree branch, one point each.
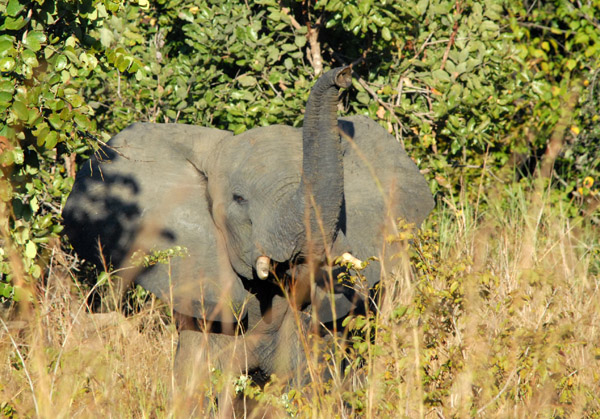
{"type": "Point", "coordinates": [457, 12]}
{"type": "Point", "coordinates": [314, 47]}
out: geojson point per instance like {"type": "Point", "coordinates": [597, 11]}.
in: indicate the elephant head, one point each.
{"type": "Point", "coordinates": [260, 194]}
{"type": "Point", "coordinates": [248, 208]}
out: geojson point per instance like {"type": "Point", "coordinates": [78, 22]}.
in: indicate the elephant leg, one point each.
{"type": "Point", "coordinates": [296, 348]}
{"type": "Point", "coordinates": [198, 355]}
{"type": "Point", "coordinates": [274, 343]}
{"type": "Point", "coordinates": [280, 341]}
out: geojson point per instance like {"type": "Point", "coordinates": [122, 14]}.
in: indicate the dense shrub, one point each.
{"type": "Point", "coordinates": [497, 311]}
{"type": "Point", "coordinates": [474, 91]}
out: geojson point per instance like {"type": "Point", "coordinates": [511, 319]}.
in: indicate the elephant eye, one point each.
{"type": "Point", "coordinates": [239, 199]}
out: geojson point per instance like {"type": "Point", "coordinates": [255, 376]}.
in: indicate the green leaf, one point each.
{"type": "Point", "coordinates": [422, 6]}
{"type": "Point", "coordinates": [7, 86]}
{"type": "Point", "coordinates": [440, 75]}
{"type": "Point", "coordinates": [18, 155]}
{"type": "Point", "coordinates": [5, 98]}
{"type": "Point", "coordinates": [289, 47]}
{"type": "Point", "coordinates": [363, 97]}
{"type": "Point", "coordinates": [6, 46]}
{"type": "Point", "coordinates": [20, 110]}
{"type": "Point", "coordinates": [75, 100]}
{"type": "Point", "coordinates": [5, 290]}
{"type": "Point", "coordinates": [34, 117]}
{"type": "Point", "coordinates": [106, 37]}
{"type": "Point", "coordinates": [35, 206]}
{"type": "Point", "coordinates": [13, 8]}
{"type": "Point", "coordinates": [34, 39]}
{"type": "Point", "coordinates": [488, 25]}
{"type": "Point", "coordinates": [246, 80]}
{"type": "Point", "coordinates": [364, 6]}
{"type": "Point", "coordinates": [60, 62]}
{"type": "Point", "coordinates": [399, 312]}
{"type": "Point", "coordinates": [55, 120]}
{"type": "Point", "coordinates": [29, 58]}
{"type": "Point", "coordinates": [30, 250]}
{"type": "Point", "coordinates": [41, 132]}
{"type": "Point", "coordinates": [82, 121]}
{"type": "Point", "coordinates": [14, 24]}
{"type": "Point", "coordinates": [385, 34]}
{"type": "Point", "coordinates": [378, 20]}
{"type": "Point", "coordinates": [300, 41]}
{"type": "Point", "coordinates": [51, 140]}
{"type": "Point", "coordinates": [35, 271]}
{"type": "Point", "coordinates": [7, 64]}
{"type": "Point", "coordinates": [6, 159]}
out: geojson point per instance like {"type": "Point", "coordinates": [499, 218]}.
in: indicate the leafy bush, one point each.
{"type": "Point", "coordinates": [480, 93]}
{"type": "Point", "coordinates": [43, 66]}
{"type": "Point", "coordinates": [472, 91]}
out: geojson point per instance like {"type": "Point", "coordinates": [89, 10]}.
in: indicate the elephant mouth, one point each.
{"type": "Point", "coordinates": [264, 266]}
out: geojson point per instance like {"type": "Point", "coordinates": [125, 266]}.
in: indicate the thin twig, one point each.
{"type": "Point", "coordinates": [293, 21]}
{"type": "Point", "coordinates": [372, 92]}
{"type": "Point", "coordinates": [423, 46]}
{"type": "Point", "coordinates": [508, 380]}
{"type": "Point", "coordinates": [589, 19]}
{"type": "Point", "coordinates": [546, 28]}
{"type": "Point", "coordinates": [277, 92]}
{"type": "Point", "coordinates": [457, 13]}
{"type": "Point", "coordinates": [119, 84]}
{"type": "Point", "coordinates": [399, 90]}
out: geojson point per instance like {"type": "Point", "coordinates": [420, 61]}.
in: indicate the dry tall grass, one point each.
{"type": "Point", "coordinates": [496, 316]}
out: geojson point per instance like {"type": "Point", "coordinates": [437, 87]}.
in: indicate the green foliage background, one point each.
{"type": "Point", "coordinates": [474, 89]}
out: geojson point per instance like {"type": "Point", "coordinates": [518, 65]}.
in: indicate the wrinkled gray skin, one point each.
{"type": "Point", "coordinates": [296, 196]}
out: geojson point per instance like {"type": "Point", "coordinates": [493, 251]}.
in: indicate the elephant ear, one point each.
{"type": "Point", "coordinates": [144, 201]}
{"type": "Point", "coordinates": [381, 185]}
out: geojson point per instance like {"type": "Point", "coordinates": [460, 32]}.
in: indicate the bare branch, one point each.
{"type": "Point", "coordinates": [293, 21]}
{"type": "Point", "coordinates": [314, 47]}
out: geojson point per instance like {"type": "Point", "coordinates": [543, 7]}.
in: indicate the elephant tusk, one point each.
{"type": "Point", "coordinates": [348, 258]}
{"type": "Point", "coordinates": [262, 267]}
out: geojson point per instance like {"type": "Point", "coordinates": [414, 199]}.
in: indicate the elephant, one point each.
{"type": "Point", "coordinates": [238, 233]}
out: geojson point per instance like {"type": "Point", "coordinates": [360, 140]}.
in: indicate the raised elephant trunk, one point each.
{"type": "Point", "coordinates": [322, 185]}
{"type": "Point", "coordinates": [315, 207]}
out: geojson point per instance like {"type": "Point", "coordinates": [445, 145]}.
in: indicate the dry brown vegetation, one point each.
{"type": "Point", "coordinates": [496, 315]}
